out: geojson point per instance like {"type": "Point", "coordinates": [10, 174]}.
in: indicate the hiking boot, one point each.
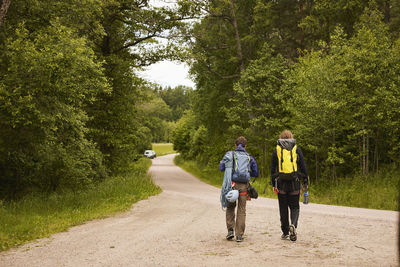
{"type": "Point", "coordinates": [284, 236]}
{"type": "Point", "coordinates": [292, 231]}
{"type": "Point", "coordinates": [239, 239]}
{"type": "Point", "coordinates": [230, 235]}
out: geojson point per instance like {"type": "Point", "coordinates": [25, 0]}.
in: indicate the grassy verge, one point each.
{"type": "Point", "coordinates": [210, 176]}
{"type": "Point", "coordinates": [379, 191]}
{"type": "Point", "coordinates": [40, 216]}
{"type": "Point", "coordinates": [163, 149]}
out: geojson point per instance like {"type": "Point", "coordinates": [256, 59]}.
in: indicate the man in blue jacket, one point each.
{"type": "Point", "coordinates": [239, 183]}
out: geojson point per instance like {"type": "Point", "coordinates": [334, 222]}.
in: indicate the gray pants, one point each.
{"type": "Point", "coordinates": [240, 224]}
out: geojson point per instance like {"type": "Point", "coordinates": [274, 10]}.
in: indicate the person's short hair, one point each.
{"type": "Point", "coordinates": [286, 134]}
{"type": "Point", "coordinates": [241, 140]}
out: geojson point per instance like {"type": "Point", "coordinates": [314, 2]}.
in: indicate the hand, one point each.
{"type": "Point", "coordinates": [276, 191]}
{"type": "Point", "coordinates": [304, 188]}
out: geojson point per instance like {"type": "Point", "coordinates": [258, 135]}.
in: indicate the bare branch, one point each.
{"type": "Point", "coordinates": [133, 43]}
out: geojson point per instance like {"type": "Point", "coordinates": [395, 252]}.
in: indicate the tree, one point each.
{"type": "Point", "coordinates": [264, 114]}
{"type": "Point", "coordinates": [153, 112]}
{"type": "Point", "coordinates": [344, 92]}
{"type": "Point", "coordinates": [49, 82]}
{"type": "Point", "coordinates": [318, 106]}
{"type": "Point", "coordinates": [183, 133]}
{"type": "Point", "coordinates": [129, 42]}
{"type": "Point", "coordinates": [4, 5]}
{"type": "Point", "coordinates": [178, 99]}
{"type": "Point", "coordinates": [369, 52]}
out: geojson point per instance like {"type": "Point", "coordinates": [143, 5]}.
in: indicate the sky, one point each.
{"type": "Point", "coordinates": [168, 73]}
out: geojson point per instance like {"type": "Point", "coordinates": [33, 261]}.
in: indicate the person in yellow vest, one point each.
{"type": "Point", "coordinates": [287, 167]}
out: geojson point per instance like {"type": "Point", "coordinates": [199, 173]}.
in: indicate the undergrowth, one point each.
{"type": "Point", "coordinates": [375, 191]}
{"type": "Point", "coordinates": [37, 216]}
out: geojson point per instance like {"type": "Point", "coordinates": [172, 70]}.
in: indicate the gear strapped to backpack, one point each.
{"type": "Point", "coordinates": [287, 161]}
{"type": "Point", "coordinates": [252, 192]}
{"type": "Point", "coordinates": [241, 167]}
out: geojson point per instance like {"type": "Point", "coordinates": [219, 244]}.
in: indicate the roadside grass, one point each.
{"type": "Point", "coordinates": [378, 191]}
{"type": "Point", "coordinates": [162, 149]}
{"type": "Point", "coordinates": [208, 175]}
{"type": "Point", "coordinates": [40, 216]}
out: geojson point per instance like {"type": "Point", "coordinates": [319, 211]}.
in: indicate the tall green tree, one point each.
{"type": "Point", "coordinates": [220, 48]}
{"type": "Point", "coordinates": [154, 114]}
{"type": "Point", "coordinates": [346, 95]}
{"type": "Point", "coordinates": [178, 99]}
{"type": "Point", "coordinates": [49, 81]}
{"type": "Point", "coordinates": [369, 54]}
{"type": "Point", "coordinates": [129, 42]}
{"type": "Point", "coordinates": [264, 114]}
{"type": "Point", "coordinates": [318, 106]}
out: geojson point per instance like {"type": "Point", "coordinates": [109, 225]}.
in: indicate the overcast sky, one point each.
{"type": "Point", "coordinates": [168, 73]}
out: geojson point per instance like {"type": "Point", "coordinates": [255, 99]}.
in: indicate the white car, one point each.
{"type": "Point", "coordinates": [150, 154]}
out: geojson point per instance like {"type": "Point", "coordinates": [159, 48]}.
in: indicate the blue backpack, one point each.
{"type": "Point", "coordinates": [241, 167]}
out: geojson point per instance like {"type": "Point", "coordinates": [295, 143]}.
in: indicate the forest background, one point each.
{"type": "Point", "coordinates": [327, 70]}
{"type": "Point", "coordinates": [74, 111]}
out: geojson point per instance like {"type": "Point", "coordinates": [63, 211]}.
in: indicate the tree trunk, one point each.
{"type": "Point", "coordinates": [334, 173]}
{"type": "Point", "coordinates": [105, 48]}
{"type": "Point", "coordinates": [376, 154]}
{"type": "Point", "coordinates": [316, 167]}
{"type": "Point", "coordinates": [301, 29]}
{"type": "Point", "coordinates": [4, 5]}
{"type": "Point", "coordinates": [367, 156]}
{"type": "Point", "coordinates": [363, 154]}
{"type": "Point", "coordinates": [360, 152]}
{"type": "Point", "coordinates": [363, 148]}
{"type": "Point", "coordinates": [386, 11]}
{"type": "Point", "coordinates": [240, 55]}
{"type": "Point", "coordinates": [237, 37]}
{"type": "Point", "coordinates": [265, 160]}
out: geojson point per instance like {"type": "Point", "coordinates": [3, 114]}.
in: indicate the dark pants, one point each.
{"type": "Point", "coordinates": [288, 201]}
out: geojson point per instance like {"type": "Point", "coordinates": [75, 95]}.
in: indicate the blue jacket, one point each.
{"type": "Point", "coordinates": [253, 163]}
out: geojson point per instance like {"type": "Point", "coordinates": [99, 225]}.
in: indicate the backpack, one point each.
{"type": "Point", "coordinates": [287, 161]}
{"type": "Point", "coordinates": [241, 167]}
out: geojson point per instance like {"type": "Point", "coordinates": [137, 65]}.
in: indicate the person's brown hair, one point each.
{"type": "Point", "coordinates": [241, 140]}
{"type": "Point", "coordinates": [286, 134]}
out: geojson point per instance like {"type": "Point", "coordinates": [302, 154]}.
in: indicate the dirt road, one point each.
{"type": "Point", "coordinates": [185, 226]}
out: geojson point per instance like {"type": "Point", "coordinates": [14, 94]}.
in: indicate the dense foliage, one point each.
{"type": "Point", "coordinates": [72, 108]}
{"type": "Point", "coordinates": [327, 70]}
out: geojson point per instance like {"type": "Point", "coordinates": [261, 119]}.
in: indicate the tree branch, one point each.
{"type": "Point", "coordinates": [222, 76]}
{"type": "Point", "coordinates": [133, 43]}
{"type": "Point", "coordinates": [4, 5]}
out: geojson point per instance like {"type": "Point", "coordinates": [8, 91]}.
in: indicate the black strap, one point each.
{"type": "Point", "coordinates": [233, 161]}
{"type": "Point", "coordinates": [291, 159]}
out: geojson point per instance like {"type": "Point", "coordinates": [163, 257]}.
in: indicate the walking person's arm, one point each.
{"type": "Point", "coordinates": [222, 166]}
{"type": "Point", "coordinates": [253, 167]}
{"type": "Point", "coordinates": [302, 168]}
{"type": "Point", "coordinates": [274, 170]}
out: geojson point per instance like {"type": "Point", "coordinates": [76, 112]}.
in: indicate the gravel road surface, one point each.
{"type": "Point", "coordinates": [185, 226]}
